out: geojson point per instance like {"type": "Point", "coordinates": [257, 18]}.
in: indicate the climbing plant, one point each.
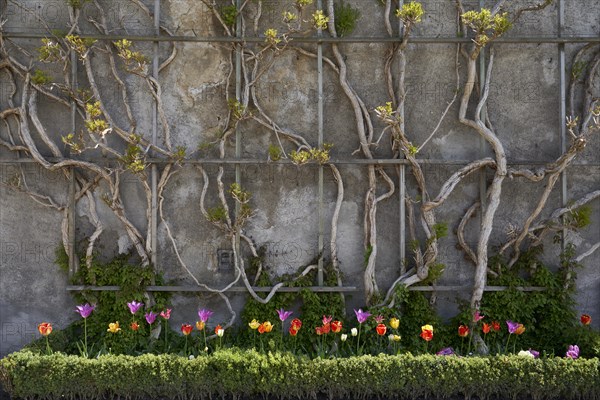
{"type": "Point", "coordinates": [113, 132]}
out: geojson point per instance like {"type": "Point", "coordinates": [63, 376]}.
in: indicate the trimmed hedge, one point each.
{"type": "Point", "coordinates": [235, 373]}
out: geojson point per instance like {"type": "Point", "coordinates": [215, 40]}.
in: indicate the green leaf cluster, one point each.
{"type": "Point", "coordinates": [346, 17]}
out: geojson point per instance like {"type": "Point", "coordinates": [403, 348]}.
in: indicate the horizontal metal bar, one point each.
{"type": "Point", "coordinates": [319, 289]}
{"type": "Point", "coordinates": [256, 161]}
{"type": "Point", "coordinates": [314, 39]}
{"type": "Point", "coordinates": [469, 288]}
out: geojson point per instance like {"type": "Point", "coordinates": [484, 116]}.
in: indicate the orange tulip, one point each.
{"type": "Point", "coordinates": [520, 329]}
{"type": "Point", "coordinates": [381, 329]}
{"type": "Point", "coordinates": [326, 328]}
{"type": "Point", "coordinates": [200, 325]}
{"type": "Point", "coordinates": [496, 326]}
{"type": "Point", "coordinates": [292, 331]}
{"type": "Point", "coordinates": [134, 326]}
{"type": "Point", "coordinates": [45, 328]}
{"type": "Point", "coordinates": [336, 326]}
{"type": "Point", "coordinates": [486, 328]}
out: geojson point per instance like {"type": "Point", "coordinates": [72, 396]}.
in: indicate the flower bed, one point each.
{"type": "Point", "coordinates": [236, 373]}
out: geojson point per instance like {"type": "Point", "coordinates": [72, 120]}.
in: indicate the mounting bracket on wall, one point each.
{"type": "Point", "coordinates": [225, 259]}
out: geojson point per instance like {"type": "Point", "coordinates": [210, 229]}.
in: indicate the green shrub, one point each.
{"type": "Point", "coordinates": [235, 373]}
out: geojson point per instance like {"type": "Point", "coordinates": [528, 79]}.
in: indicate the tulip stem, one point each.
{"type": "Point", "coordinates": [358, 341]}
{"type": "Point", "coordinates": [470, 341]}
{"type": "Point", "coordinates": [185, 348]}
{"type": "Point", "coordinates": [205, 346]}
{"type": "Point", "coordinates": [48, 346]}
{"type": "Point", "coordinates": [85, 337]}
{"type": "Point", "coordinates": [166, 329]}
{"type": "Point", "coordinates": [507, 341]}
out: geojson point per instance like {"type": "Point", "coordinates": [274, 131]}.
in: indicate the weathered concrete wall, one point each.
{"type": "Point", "coordinates": [523, 106]}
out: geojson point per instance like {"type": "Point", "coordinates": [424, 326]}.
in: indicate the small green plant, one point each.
{"type": "Point", "coordinates": [238, 110]}
{"type": "Point", "coordinates": [80, 45]}
{"type": "Point", "coordinates": [229, 15]}
{"type": "Point", "coordinates": [77, 4]}
{"type": "Point", "coordinates": [75, 143]}
{"type": "Point", "coordinates": [319, 155]}
{"type": "Point", "coordinates": [346, 17]}
{"type": "Point", "coordinates": [271, 37]}
{"type": "Point", "coordinates": [485, 25]}
{"type": "Point", "coordinates": [39, 77]}
{"type": "Point", "coordinates": [216, 214]}
{"type": "Point", "coordinates": [239, 194]}
{"type": "Point", "coordinates": [275, 152]}
{"type": "Point", "coordinates": [410, 13]}
{"type": "Point", "coordinates": [134, 60]}
{"type": "Point", "coordinates": [134, 158]}
{"type": "Point", "coordinates": [320, 20]}
{"type": "Point", "coordinates": [50, 51]}
{"type": "Point", "coordinates": [300, 157]}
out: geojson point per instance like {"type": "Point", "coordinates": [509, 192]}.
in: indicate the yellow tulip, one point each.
{"type": "Point", "coordinates": [394, 323]}
{"type": "Point", "coordinates": [200, 325]}
{"type": "Point", "coordinates": [113, 327]}
{"type": "Point", "coordinates": [268, 326]}
{"type": "Point", "coordinates": [254, 324]}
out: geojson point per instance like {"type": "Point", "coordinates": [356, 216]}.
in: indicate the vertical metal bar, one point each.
{"type": "Point", "coordinates": [238, 132]}
{"type": "Point", "coordinates": [562, 114]}
{"type": "Point", "coordinates": [402, 189]}
{"type": "Point", "coordinates": [320, 140]}
{"type": "Point", "coordinates": [154, 175]}
{"type": "Point", "coordinates": [71, 210]}
{"type": "Point", "coordinates": [482, 144]}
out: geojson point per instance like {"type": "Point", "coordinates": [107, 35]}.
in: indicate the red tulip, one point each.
{"type": "Point", "coordinates": [292, 331]}
{"type": "Point", "coordinates": [496, 326]}
{"type": "Point", "coordinates": [381, 329]}
{"type": "Point", "coordinates": [427, 335]}
{"type": "Point", "coordinates": [463, 331]}
{"type": "Point", "coordinates": [218, 328]}
{"type": "Point", "coordinates": [336, 326]}
{"type": "Point", "coordinates": [134, 326]}
{"type": "Point", "coordinates": [319, 330]}
{"type": "Point", "coordinates": [296, 324]}
{"type": "Point", "coordinates": [586, 319]}
{"type": "Point", "coordinates": [45, 328]}
{"type": "Point", "coordinates": [186, 329]}
{"type": "Point", "coordinates": [326, 328]}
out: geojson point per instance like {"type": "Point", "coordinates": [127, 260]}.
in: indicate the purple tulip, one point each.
{"type": "Point", "coordinates": [448, 351]}
{"type": "Point", "coordinates": [151, 317]}
{"type": "Point", "coordinates": [283, 315]}
{"type": "Point", "coordinates": [512, 326]}
{"type": "Point", "coordinates": [536, 354]}
{"type": "Point", "coordinates": [204, 314]}
{"type": "Point", "coordinates": [573, 352]}
{"type": "Point", "coordinates": [85, 310]}
{"type": "Point", "coordinates": [134, 306]}
{"type": "Point", "coordinates": [361, 315]}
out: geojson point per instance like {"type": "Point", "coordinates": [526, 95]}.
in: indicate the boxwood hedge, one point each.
{"type": "Point", "coordinates": [247, 373]}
